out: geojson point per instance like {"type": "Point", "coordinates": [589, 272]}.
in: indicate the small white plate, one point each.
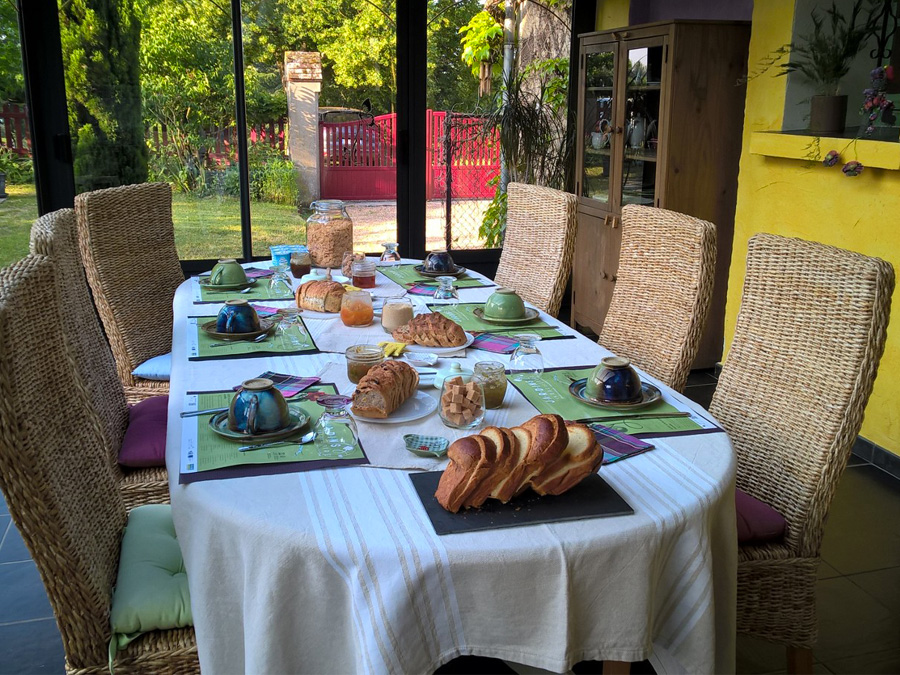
{"type": "Point", "coordinates": [440, 350]}
{"type": "Point", "coordinates": [311, 314]}
{"type": "Point", "coordinates": [414, 408]}
{"type": "Point", "coordinates": [421, 359]}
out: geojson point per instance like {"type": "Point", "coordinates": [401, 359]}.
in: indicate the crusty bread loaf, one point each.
{"type": "Point", "coordinates": [431, 330]}
{"type": "Point", "coordinates": [546, 454]}
{"type": "Point", "coordinates": [320, 296]}
{"type": "Point", "coordinates": [384, 389]}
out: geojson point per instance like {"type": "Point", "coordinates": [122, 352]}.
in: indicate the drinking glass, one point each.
{"type": "Point", "coordinates": [446, 291]}
{"type": "Point", "coordinates": [461, 404]}
{"type": "Point", "coordinates": [290, 329]}
{"type": "Point", "coordinates": [527, 358]}
{"type": "Point", "coordinates": [391, 254]}
{"type": "Point", "coordinates": [280, 283]}
{"type": "Point", "coordinates": [301, 263]}
{"type": "Point", "coordinates": [336, 432]}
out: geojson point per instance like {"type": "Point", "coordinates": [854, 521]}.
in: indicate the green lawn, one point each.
{"type": "Point", "coordinates": [204, 228]}
{"type": "Point", "coordinates": [17, 214]}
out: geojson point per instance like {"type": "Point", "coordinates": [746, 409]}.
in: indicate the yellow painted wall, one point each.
{"type": "Point", "coordinates": [791, 198]}
{"type": "Point", "coordinates": [612, 14]}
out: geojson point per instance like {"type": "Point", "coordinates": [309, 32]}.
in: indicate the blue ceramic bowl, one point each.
{"type": "Point", "coordinates": [439, 261]}
{"type": "Point", "coordinates": [615, 381]}
{"type": "Point", "coordinates": [258, 408]}
{"type": "Point", "coordinates": [237, 316]}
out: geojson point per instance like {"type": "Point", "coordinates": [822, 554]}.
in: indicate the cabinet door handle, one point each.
{"type": "Point", "coordinates": [606, 220]}
{"type": "Point", "coordinates": [615, 222]}
{"type": "Point", "coordinates": [614, 278]}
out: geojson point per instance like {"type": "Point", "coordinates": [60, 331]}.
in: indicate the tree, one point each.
{"type": "Point", "coordinates": [101, 45]}
{"type": "Point", "coordinates": [12, 82]}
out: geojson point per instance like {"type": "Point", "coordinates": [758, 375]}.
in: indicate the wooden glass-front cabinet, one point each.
{"type": "Point", "coordinates": [660, 114]}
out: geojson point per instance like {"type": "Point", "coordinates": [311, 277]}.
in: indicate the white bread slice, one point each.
{"type": "Point", "coordinates": [507, 488]}
{"type": "Point", "coordinates": [581, 458]}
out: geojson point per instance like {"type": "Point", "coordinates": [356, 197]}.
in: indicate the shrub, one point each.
{"type": "Point", "coordinates": [18, 170]}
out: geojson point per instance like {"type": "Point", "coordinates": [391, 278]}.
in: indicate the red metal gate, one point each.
{"type": "Point", "coordinates": [359, 159]}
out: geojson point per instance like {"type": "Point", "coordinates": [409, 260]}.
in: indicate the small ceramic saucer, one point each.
{"type": "Point", "coordinates": [530, 315]}
{"type": "Point", "coordinates": [426, 446]}
{"type": "Point", "coordinates": [265, 325]}
{"type": "Point", "coordinates": [227, 287]}
{"type": "Point", "coordinates": [219, 424]}
{"type": "Point", "coordinates": [457, 271]}
{"type": "Point", "coordinates": [649, 395]}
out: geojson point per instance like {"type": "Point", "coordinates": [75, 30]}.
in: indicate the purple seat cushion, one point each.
{"type": "Point", "coordinates": [757, 522]}
{"type": "Point", "coordinates": [144, 443]}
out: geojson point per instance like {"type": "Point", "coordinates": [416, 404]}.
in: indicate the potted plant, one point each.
{"type": "Point", "coordinates": [823, 56]}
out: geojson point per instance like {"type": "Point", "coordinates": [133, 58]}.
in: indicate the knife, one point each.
{"type": "Point", "coordinates": [633, 416]}
{"type": "Point", "coordinates": [195, 413]}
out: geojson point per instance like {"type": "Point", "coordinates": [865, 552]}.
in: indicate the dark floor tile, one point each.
{"type": "Point", "coordinates": [22, 594]}
{"type": "Point", "coordinates": [852, 622]}
{"type": "Point", "coordinates": [4, 510]}
{"type": "Point", "coordinates": [13, 548]}
{"type": "Point", "coordinates": [596, 668]}
{"type": "Point", "coordinates": [31, 647]}
{"type": "Point", "coordinates": [883, 585]}
{"type": "Point", "coordinates": [701, 394]}
{"type": "Point", "coordinates": [475, 665]}
{"type": "Point", "coordinates": [862, 449]}
{"type": "Point", "coordinates": [701, 376]}
{"type": "Point", "coordinates": [826, 571]}
{"type": "Point", "coordinates": [759, 656]}
{"type": "Point", "coordinates": [877, 663]}
{"type": "Point", "coordinates": [858, 536]}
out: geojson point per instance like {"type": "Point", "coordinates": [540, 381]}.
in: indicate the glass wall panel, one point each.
{"type": "Point", "coordinates": [321, 98]}
{"type": "Point", "coordinates": [150, 90]}
{"type": "Point", "coordinates": [18, 202]}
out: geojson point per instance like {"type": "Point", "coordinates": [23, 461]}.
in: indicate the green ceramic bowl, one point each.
{"type": "Point", "coordinates": [227, 272]}
{"type": "Point", "coordinates": [504, 304]}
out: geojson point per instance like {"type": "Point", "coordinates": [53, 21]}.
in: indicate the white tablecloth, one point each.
{"type": "Point", "coordinates": [341, 571]}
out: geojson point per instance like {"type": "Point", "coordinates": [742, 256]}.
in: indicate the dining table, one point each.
{"type": "Point", "coordinates": [335, 566]}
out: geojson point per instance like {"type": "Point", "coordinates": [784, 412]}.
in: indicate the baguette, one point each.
{"type": "Point", "coordinates": [384, 389]}
{"type": "Point", "coordinates": [546, 454]}
{"type": "Point", "coordinates": [320, 296]}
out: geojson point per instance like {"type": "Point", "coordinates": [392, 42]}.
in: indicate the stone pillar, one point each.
{"type": "Point", "coordinates": [302, 83]}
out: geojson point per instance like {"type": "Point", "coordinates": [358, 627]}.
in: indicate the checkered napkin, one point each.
{"type": "Point", "coordinates": [491, 342]}
{"type": "Point", "coordinates": [265, 311]}
{"type": "Point", "coordinates": [617, 445]}
{"type": "Point", "coordinates": [421, 289]}
{"type": "Point", "coordinates": [288, 385]}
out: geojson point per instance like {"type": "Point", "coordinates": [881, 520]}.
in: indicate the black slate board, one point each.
{"type": "Point", "coordinates": [591, 498]}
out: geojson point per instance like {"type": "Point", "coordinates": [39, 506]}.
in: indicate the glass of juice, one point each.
{"type": "Point", "coordinates": [356, 308]}
{"type": "Point", "coordinates": [301, 263]}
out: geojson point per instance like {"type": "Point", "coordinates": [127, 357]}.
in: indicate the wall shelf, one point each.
{"type": "Point", "coordinates": [802, 146]}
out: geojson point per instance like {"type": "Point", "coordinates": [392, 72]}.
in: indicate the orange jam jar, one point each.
{"type": "Point", "coordinates": [356, 308]}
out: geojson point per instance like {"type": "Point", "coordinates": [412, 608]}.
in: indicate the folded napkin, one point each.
{"type": "Point", "coordinates": [265, 310]}
{"type": "Point", "coordinates": [617, 445]}
{"type": "Point", "coordinates": [491, 342]}
{"type": "Point", "coordinates": [421, 289]}
{"type": "Point", "coordinates": [288, 385]}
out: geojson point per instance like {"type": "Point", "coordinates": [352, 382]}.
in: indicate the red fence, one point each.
{"type": "Point", "coordinates": [222, 143]}
{"type": "Point", "coordinates": [14, 133]}
{"type": "Point", "coordinates": [359, 158]}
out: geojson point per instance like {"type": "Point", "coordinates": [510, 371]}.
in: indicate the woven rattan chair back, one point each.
{"type": "Point", "coordinates": [127, 242]}
{"type": "Point", "coordinates": [538, 245]}
{"type": "Point", "coordinates": [55, 236]}
{"type": "Point", "coordinates": [809, 335]}
{"type": "Point", "coordinates": [53, 468]}
{"type": "Point", "coordinates": [663, 291]}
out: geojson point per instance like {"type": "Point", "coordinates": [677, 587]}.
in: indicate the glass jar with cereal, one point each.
{"type": "Point", "coordinates": [329, 232]}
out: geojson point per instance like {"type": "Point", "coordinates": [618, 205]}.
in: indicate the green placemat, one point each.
{"type": "Point", "coordinates": [549, 393]}
{"type": "Point", "coordinates": [259, 291]}
{"type": "Point", "coordinates": [215, 452]}
{"type": "Point", "coordinates": [406, 274]}
{"type": "Point", "coordinates": [462, 314]}
{"type": "Point", "coordinates": [203, 348]}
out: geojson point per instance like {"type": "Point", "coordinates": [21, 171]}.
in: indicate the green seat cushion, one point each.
{"type": "Point", "coordinates": [152, 588]}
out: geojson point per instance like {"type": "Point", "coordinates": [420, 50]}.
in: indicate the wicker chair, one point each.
{"type": "Point", "coordinates": [127, 243]}
{"type": "Point", "coordinates": [538, 245]}
{"type": "Point", "coordinates": [55, 236]}
{"type": "Point", "coordinates": [665, 280]}
{"type": "Point", "coordinates": [809, 335]}
{"type": "Point", "coordinates": [58, 484]}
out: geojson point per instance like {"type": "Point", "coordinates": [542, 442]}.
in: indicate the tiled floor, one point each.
{"type": "Point", "coordinates": [859, 588]}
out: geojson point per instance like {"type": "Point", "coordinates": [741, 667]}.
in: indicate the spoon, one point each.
{"type": "Point", "coordinates": [258, 338]}
{"type": "Point", "coordinates": [304, 439]}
